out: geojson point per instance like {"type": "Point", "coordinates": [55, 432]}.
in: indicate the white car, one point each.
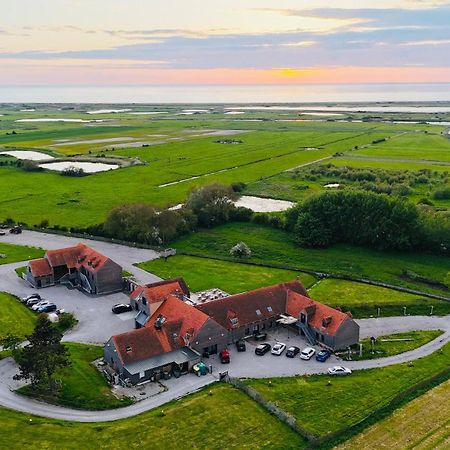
{"type": "Point", "coordinates": [39, 304]}
{"type": "Point", "coordinates": [339, 370]}
{"type": "Point", "coordinates": [278, 348]}
{"type": "Point", "coordinates": [307, 353]}
{"type": "Point", "coordinates": [29, 297]}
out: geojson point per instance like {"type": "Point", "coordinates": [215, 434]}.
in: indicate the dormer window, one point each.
{"type": "Point", "coordinates": [258, 312]}
{"type": "Point", "coordinates": [234, 321]}
{"type": "Point", "coordinates": [128, 348]}
{"type": "Point", "coordinates": [269, 308]}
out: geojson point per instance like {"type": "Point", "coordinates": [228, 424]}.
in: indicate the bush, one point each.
{"type": "Point", "coordinates": [241, 214]}
{"type": "Point", "coordinates": [442, 194]}
{"type": "Point", "coordinates": [238, 187]}
{"type": "Point", "coordinates": [73, 172]}
{"type": "Point", "coordinates": [240, 250]}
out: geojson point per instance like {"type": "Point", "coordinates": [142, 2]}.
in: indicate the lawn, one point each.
{"type": "Point", "coordinates": [83, 386]}
{"type": "Point", "coordinates": [394, 344]}
{"type": "Point", "coordinates": [14, 253]}
{"type": "Point", "coordinates": [231, 277]}
{"type": "Point", "coordinates": [322, 408]}
{"type": "Point", "coordinates": [270, 245]}
{"type": "Point", "coordinates": [268, 148]}
{"type": "Point", "coordinates": [215, 418]}
{"type": "Point", "coordinates": [15, 318]}
{"type": "Point", "coordinates": [423, 423]}
{"type": "Point", "coordinates": [363, 300]}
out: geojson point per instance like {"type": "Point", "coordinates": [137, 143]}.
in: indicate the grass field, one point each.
{"type": "Point", "coordinates": [14, 253]}
{"type": "Point", "coordinates": [231, 277]}
{"type": "Point", "coordinates": [269, 245]}
{"type": "Point", "coordinates": [15, 318]}
{"type": "Point", "coordinates": [363, 300]}
{"type": "Point", "coordinates": [83, 386]}
{"type": "Point", "coordinates": [324, 408]}
{"type": "Point", "coordinates": [268, 147]}
{"type": "Point", "coordinates": [394, 344]}
{"type": "Point", "coordinates": [200, 420]}
{"type": "Point", "coordinates": [422, 424]}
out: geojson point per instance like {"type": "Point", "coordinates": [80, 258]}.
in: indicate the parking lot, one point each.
{"type": "Point", "coordinates": [96, 322]}
{"type": "Point", "coordinates": [247, 364]}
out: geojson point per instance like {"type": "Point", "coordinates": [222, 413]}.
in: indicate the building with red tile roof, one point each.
{"type": "Point", "coordinates": [174, 333]}
{"type": "Point", "coordinates": [80, 266]}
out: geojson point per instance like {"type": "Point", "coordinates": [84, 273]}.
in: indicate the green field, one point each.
{"type": "Point", "coordinates": [15, 318]}
{"type": "Point", "coordinates": [394, 344]}
{"type": "Point", "coordinates": [270, 245]}
{"type": "Point", "coordinates": [232, 277]}
{"type": "Point", "coordinates": [207, 419]}
{"type": "Point", "coordinates": [323, 408]}
{"type": "Point", "coordinates": [363, 300]}
{"type": "Point", "coordinates": [13, 253]}
{"type": "Point", "coordinates": [83, 386]}
{"type": "Point", "coordinates": [422, 424]}
{"type": "Point", "coordinates": [176, 149]}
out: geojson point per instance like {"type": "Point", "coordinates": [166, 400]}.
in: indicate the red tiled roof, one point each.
{"type": "Point", "coordinates": [40, 267]}
{"type": "Point", "coordinates": [156, 292]}
{"type": "Point", "coordinates": [141, 344]}
{"type": "Point", "coordinates": [253, 306]}
{"type": "Point", "coordinates": [180, 318]}
{"type": "Point", "coordinates": [75, 257]}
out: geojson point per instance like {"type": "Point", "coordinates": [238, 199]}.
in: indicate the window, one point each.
{"type": "Point", "coordinates": [247, 331]}
{"type": "Point", "coordinates": [263, 326]}
{"type": "Point", "coordinates": [128, 348]}
{"type": "Point", "coordinates": [234, 321]}
{"type": "Point", "coordinates": [269, 308]}
{"type": "Point", "coordinates": [258, 312]}
{"type": "Point", "coordinates": [144, 301]}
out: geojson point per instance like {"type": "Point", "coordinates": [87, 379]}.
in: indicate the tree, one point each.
{"type": "Point", "coordinates": [212, 204]}
{"type": "Point", "coordinates": [43, 356]}
{"type": "Point", "coordinates": [241, 250]}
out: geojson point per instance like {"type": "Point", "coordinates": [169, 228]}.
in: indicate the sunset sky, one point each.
{"type": "Point", "coordinates": [120, 42]}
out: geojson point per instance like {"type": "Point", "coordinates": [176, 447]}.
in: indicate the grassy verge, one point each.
{"type": "Point", "coordinates": [15, 318]}
{"type": "Point", "coordinates": [206, 419]}
{"type": "Point", "coordinates": [394, 344]}
{"type": "Point", "coordinates": [13, 253]}
{"type": "Point", "coordinates": [353, 398]}
{"type": "Point", "coordinates": [83, 386]}
{"type": "Point", "coordinates": [422, 423]}
{"type": "Point", "coordinates": [363, 300]}
{"type": "Point", "coordinates": [274, 246]}
{"type": "Point", "coordinates": [232, 277]}
{"type": "Point", "coordinates": [20, 271]}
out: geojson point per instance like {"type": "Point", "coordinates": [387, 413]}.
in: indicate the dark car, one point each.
{"type": "Point", "coordinates": [47, 308]}
{"type": "Point", "coordinates": [16, 230]}
{"type": "Point", "coordinates": [240, 346]}
{"type": "Point", "coordinates": [121, 308]}
{"type": "Point", "coordinates": [292, 352]}
{"type": "Point", "coordinates": [262, 349]}
{"type": "Point", "coordinates": [323, 355]}
{"type": "Point", "coordinates": [260, 336]}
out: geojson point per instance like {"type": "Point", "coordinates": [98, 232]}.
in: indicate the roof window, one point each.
{"type": "Point", "coordinates": [128, 348]}
{"type": "Point", "coordinates": [258, 312]}
{"type": "Point", "coordinates": [234, 321]}
{"type": "Point", "coordinates": [269, 308]}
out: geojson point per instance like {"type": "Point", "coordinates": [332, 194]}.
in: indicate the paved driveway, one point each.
{"type": "Point", "coordinates": [96, 321]}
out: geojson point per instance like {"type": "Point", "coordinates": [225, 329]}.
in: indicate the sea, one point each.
{"type": "Point", "coordinates": [229, 94]}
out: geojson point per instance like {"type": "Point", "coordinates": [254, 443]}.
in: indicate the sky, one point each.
{"type": "Point", "coordinates": [233, 42]}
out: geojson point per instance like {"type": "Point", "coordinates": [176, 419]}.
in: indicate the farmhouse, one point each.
{"type": "Point", "coordinates": [79, 266]}
{"type": "Point", "coordinates": [173, 334]}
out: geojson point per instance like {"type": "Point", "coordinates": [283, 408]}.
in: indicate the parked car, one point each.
{"type": "Point", "coordinates": [39, 304]}
{"type": "Point", "coordinates": [292, 352]}
{"type": "Point", "coordinates": [16, 230]}
{"type": "Point", "coordinates": [33, 301]}
{"type": "Point", "coordinates": [2, 233]}
{"type": "Point", "coordinates": [121, 308]}
{"type": "Point", "coordinates": [262, 349]}
{"type": "Point", "coordinates": [323, 355]}
{"type": "Point", "coordinates": [278, 348]}
{"type": "Point", "coordinates": [51, 307]}
{"type": "Point", "coordinates": [240, 346]}
{"type": "Point", "coordinates": [307, 353]}
{"type": "Point", "coordinates": [29, 297]}
{"type": "Point", "coordinates": [260, 336]}
{"type": "Point", "coordinates": [224, 356]}
{"type": "Point", "coordinates": [339, 370]}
